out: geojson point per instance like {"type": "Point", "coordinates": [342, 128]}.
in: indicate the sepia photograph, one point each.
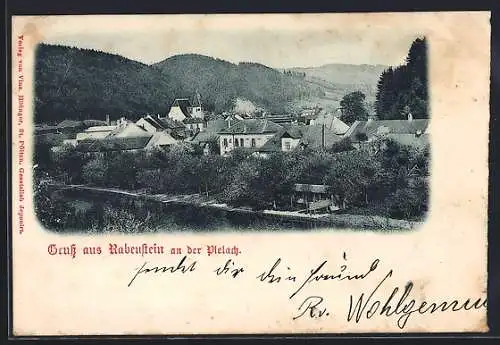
{"type": "Point", "coordinates": [213, 133]}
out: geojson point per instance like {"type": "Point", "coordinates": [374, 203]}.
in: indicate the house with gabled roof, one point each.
{"type": "Point", "coordinates": [331, 122]}
{"type": "Point", "coordinates": [412, 132]}
{"type": "Point", "coordinates": [318, 137]}
{"type": "Point", "coordinates": [293, 137]}
{"type": "Point", "coordinates": [250, 133]}
{"type": "Point", "coordinates": [151, 124]}
{"type": "Point", "coordinates": [160, 140]}
{"type": "Point", "coordinates": [195, 124]}
{"type": "Point", "coordinates": [156, 123]}
{"type": "Point", "coordinates": [113, 144]}
{"type": "Point", "coordinates": [285, 140]}
{"type": "Point", "coordinates": [182, 109]}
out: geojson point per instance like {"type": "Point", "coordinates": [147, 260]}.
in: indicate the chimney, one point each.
{"type": "Point", "coordinates": [107, 120]}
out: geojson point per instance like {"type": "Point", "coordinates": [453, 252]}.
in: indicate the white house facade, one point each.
{"type": "Point", "coordinates": [289, 144]}
{"type": "Point", "coordinates": [252, 133]}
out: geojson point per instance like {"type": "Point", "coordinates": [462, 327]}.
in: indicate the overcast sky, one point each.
{"type": "Point", "coordinates": [278, 46]}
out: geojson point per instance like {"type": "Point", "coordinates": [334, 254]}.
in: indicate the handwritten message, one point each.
{"type": "Point", "coordinates": [400, 305]}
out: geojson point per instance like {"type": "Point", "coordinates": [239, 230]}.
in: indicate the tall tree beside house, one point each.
{"type": "Point", "coordinates": [405, 86]}
{"type": "Point", "coordinates": [353, 107]}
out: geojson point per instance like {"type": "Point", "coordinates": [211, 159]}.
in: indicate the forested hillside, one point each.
{"type": "Point", "coordinates": [73, 83]}
{"type": "Point", "coordinates": [220, 82]}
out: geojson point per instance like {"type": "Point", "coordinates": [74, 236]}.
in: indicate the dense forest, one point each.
{"type": "Point", "coordinates": [221, 82]}
{"type": "Point", "coordinates": [73, 83]}
{"type": "Point", "coordinates": [404, 89]}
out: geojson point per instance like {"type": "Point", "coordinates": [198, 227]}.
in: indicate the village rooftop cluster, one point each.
{"type": "Point", "coordinates": [260, 133]}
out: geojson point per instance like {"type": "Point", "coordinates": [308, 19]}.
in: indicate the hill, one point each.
{"type": "Point", "coordinates": [338, 80]}
{"type": "Point", "coordinates": [220, 82]}
{"type": "Point", "coordinates": [78, 84]}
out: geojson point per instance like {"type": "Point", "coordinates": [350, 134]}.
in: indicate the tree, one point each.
{"type": "Point", "coordinates": [405, 86]}
{"type": "Point", "coordinates": [95, 171]}
{"type": "Point", "coordinates": [240, 190]}
{"type": "Point", "coordinates": [210, 170]}
{"type": "Point", "coordinates": [344, 144]}
{"type": "Point", "coordinates": [353, 176]}
{"type": "Point", "coordinates": [151, 179]}
{"type": "Point", "coordinates": [353, 107]}
{"type": "Point", "coordinates": [69, 163]}
{"type": "Point", "coordinates": [122, 170]}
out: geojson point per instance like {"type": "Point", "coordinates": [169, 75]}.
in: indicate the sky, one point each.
{"type": "Point", "coordinates": [275, 43]}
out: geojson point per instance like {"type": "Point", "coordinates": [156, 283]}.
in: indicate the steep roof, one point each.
{"type": "Point", "coordinates": [293, 131]}
{"type": "Point", "coordinates": [374, 127]}
{"type": "Point", "coordinates": [154, 122]}
{"type": "Point", "coordinates": [288, 131]}
{"type": "Point", "coordinates": [252, 126]}
{"type": "Point", "coordinates": [170, 123]}
{"type": "Point", "coordinates": [332, 122]}
{"type": "Point", "coordinates": [113, 144]}
{"type": "Point", "coordinates": [129, 129]}
{"type": "Point", "coordinates": [161, 139]}
{"type": "Point", "coordinates": [313, 135]}
{"type": "Point", "coordinates": [272, 145]}
{"type": "Point", "coordinates": [184, 104]}
{"type": "Point", "coordinates": [211, 131]}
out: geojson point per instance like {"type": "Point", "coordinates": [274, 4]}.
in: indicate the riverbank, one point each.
{"type": "Point", "coordinates": [197, 201]}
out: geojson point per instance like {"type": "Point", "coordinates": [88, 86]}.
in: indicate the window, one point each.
{"type": "Point", "coordinates": [241, 142]}
{"type": "Point", "coordinates": [225, 142]}
{"type": "Point", "coordinates": [236, 142]}
{"type": "Point", "coordinates": [253, 142]}
{"type": "Point", "coordinates": [287, 146]}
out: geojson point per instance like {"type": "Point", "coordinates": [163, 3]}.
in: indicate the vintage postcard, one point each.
{"type": "Point", "coordinates": [250, 174]}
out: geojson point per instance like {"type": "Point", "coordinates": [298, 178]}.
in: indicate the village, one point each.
{"type": "Point", "coordinates": [259, 134]}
